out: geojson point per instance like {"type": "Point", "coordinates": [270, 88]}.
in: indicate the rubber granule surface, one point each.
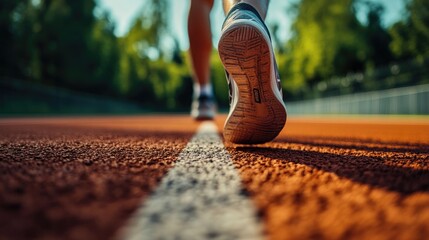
{"type": "Point", "coordinates": [327, 178]}
{"type": "Point", "coordinates": [80, 178]}
{"type": "Point", "coordinates": [323, 180]}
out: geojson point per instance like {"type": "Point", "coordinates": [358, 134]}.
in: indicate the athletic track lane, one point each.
{"type": "Point", "coordinates": [322, 178]}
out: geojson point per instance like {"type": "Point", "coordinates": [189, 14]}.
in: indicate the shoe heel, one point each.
{"type": "Point", "coordinates": [258, 116]}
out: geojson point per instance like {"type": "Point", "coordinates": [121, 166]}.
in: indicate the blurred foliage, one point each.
{"type": "Point", "coordinates": [63, 43]}
{"type": "Point", "coordinates": [327, 41]}
{"type": "Point", "coordinates": [411, 36]}
{"type": "Point", "coordinates": [71, 44]}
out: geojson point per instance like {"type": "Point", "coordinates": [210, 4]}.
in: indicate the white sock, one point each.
{"type": "Point", "coordinates": [205, 89]}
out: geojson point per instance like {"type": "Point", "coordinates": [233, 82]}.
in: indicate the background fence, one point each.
{"type": "Point", "coordinates": [19, 97]}
{"type": "Point", "coordinates": [22, 98]}
{"type": "Point", "coordinates": [405, 100]}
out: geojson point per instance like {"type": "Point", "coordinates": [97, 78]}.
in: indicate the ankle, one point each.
{"type": "Point", "coordinates": [259, 7]}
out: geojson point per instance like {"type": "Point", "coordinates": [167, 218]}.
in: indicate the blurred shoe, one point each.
{"type": "Point", "coordinates": [257, 112]}
{"type": "Point", "coordinates": [203, 108]}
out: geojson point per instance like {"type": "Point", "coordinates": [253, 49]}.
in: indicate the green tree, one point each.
{"type": "Point", "coordinates": [135, 80]}
{"type": "Point", "coordinates": [327, 41]}
{"type": "Point", "coordinates": [16, 41]}
{"type": "Point", "coordinates": [105, 52]}
{"type": "Point", "coordinates": [411, 36]}
{"type": "Point", "coordinates": [7, 57]}
{"type": "Point", "coordinates": [147, 74]}
{"type": "Point", "coordinates": [377, 36]}
{"type": "Point", "coordinates": [64, 43]}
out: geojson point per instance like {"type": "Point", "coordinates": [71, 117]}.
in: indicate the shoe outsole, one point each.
{"type": "Point", "coordinates": [258, 116]}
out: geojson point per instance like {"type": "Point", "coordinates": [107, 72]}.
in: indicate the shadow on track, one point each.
{"type": "Point", "coordinates": [359, 144]}
{"type": "Point", "coordinates": [394, 167]}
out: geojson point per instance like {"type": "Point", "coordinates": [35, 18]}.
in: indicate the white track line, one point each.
{"type": "Point", "coordinates": [199, 198]}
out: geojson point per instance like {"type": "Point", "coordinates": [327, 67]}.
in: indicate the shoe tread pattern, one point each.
{"type": "Point", "coordinates": [246, 57]}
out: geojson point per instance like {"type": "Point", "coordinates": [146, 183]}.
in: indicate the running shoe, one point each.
{"type": "Point", "coordinates": [257, 112]}
{"type": "Point", "coordinates": [203, 108]}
